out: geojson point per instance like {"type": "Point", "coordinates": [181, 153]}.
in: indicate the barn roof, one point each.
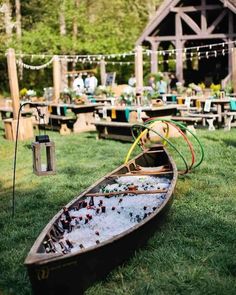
{"type": "Point", "coordinates": [165, 8]}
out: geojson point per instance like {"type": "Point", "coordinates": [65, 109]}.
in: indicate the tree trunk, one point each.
{"type": "Point", "coordinates": [75, 30]}
{"type": "Point", "coordinates": [19, 33]}
{"type": "Point", "coordinates": [18, 19]}
{"type": "Point", "coordinates": [62, 24]}
{"type": "Point", "coordinates": [7, 10]}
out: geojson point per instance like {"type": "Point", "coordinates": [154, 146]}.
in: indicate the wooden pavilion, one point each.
{"type": "Point", "coordinates": [192, 23]}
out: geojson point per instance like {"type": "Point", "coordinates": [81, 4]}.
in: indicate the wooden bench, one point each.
{"type": "Point", "coordinates": [209, 118]}
{"type": "Point", "coordinates": [114, 130]}
{"type": "Point", "coordinates": [228, 119]}
{"type": "Point", "coordinates": [61, 123]}
{"type": "Point", "coordinates": [187, 120]}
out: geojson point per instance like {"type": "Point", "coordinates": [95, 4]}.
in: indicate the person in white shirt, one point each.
{"type": "Point", "coordinates": [78, 85]}
{"type": "Point", "coordinates": [132, 81]}
{"type": "Point", "coordinates": [93, 83]}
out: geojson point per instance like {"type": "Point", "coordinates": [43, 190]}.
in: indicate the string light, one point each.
{"type": "Point", "coordinates": [125, 54]}
{"type": "Point", "coordinates": [92, 59]}
{"type": "Point", "coordinates": [27, 66]}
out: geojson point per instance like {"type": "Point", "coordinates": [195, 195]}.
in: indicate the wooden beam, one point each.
{"type": "Point", "coordinates": [210, 36]}
{"type": "Point", "coordinates": [179, 45]}
{"type": "Point", "coordinates": [154, 57]}
{"type": "Point", "coordinates": [103, 72]}
{"type": "Point", "coordinates": [139, 69]}
{"type": "Point", "coordinates": [203, 17]}
{"type": "Point", "coordinates": [161, 13]}
{"type": "Point", "coordinates": [194, 8]}
{"type": "Point", "coordinates": [191, 23]}
{"type": "Point", "coordinates": [178, 26]}
{"type": "Point", "coordinates": [234, 68]}
{"type": "Point", "coordinates": [162, 38]}
{"type": "Point", "coordinates": [56, 79]}
{"type": "Point", "coordinates": [195, 37]}
{"type": "Point", "coordinates": [216, 22]}
{"type": "Point", "coordinates": [230, 45]}
{"type": "Point", "coordinates": [13, 81]}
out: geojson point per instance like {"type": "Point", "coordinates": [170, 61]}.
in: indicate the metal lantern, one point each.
{"type": "Point", "coordinates": [43, 156]}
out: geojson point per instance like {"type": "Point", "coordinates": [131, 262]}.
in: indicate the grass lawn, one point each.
{"type": "Point", "coordinates": [194, 252]}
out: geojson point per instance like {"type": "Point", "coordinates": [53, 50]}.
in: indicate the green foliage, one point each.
{"type": "Point", "coordinates": [103, 27]}
{"type": "Point", "coordinates": [229, 87]}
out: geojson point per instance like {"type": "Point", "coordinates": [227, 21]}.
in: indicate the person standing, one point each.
{"type": "Point", "coordinates": [132, 81]}
{"type": "Point", "coordinates": [93, 83]}
{"type": "Point", "coordinates": [78, 85]}
{"type": "Point", "coordinates": [173, 81]}
{"type": "Point", "coordinates": [87, 83]}
{"type": "Point", "coordinates": [162, 86]}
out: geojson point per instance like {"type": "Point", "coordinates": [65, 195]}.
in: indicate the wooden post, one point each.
{"type": "Point", "coordinates": [179, 61]}
{"type": "Point", "coordinates": [234, 68]}
{"type": "Point", "coordinates": [56, 79]}
{"type": "Point", "coordinates": [13, 81]}
{"type": "Point", "coordinates": [154, 57]}
{"type": "Point", "coordinates": [103, 72]}
{"type": "Point", "coordinates": [139, 69]}
{"type": "Point", "coordinates": [64, 80]}
{"type": "Point", "coordinates": [179, 45]}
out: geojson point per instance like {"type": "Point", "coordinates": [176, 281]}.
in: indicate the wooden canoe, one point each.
{"type": "Point", "coordinates": [52, 272]}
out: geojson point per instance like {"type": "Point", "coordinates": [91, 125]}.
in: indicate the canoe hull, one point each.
{"type": "Point", "coordinates": [75, 274]}
{"type": "Point", "coordinates": [72, 274]}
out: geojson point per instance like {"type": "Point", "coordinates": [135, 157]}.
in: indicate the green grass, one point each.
{"type": "Point", "coordinates": [194, 252]}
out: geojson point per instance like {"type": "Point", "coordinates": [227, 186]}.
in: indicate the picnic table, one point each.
{"type": "Point", "coordinates": [7, 112]}
{"type": "Point", "coordinates": [115, 122]}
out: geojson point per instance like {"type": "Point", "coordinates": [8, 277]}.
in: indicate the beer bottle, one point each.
{"type": "Point", "coordinates": [67, 214]}
{"type": "Point", "coordinates": [69, 244]}
{"type": "Point", "coordinates": [91, 202]}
